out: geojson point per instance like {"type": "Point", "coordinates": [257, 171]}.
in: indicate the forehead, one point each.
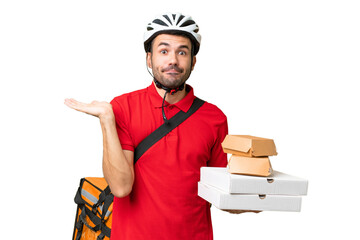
{"type": "Point", "coordinates": [171, 40]}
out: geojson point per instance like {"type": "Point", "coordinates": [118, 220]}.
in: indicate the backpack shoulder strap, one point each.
{"type": "Point", "coordinates": [164, 129]}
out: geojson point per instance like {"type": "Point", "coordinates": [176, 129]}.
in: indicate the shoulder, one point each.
{"type": "Point", "coordinates": [212, 123]}
{"type": "Point", "coordinates": [213, 111]}
{"type": "Point", "coordinates": [212, 117]}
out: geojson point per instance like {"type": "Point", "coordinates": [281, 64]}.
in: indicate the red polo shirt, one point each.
{"type": "Point", "coordinates": [164, 203]}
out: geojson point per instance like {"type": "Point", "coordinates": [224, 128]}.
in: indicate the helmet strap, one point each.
{"type": "Point", "coordinates": [167, 90]}
{"type": "Point", "coordinates": [159, 85]}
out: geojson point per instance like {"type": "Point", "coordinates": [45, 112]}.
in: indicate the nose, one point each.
{"type": "Point", "coordinates": [173, 60]}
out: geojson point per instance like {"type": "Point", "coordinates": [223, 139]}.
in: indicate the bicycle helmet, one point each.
{"type": "Point", "coordinates": [172, 22]}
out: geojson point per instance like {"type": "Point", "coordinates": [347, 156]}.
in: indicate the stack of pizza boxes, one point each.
{"type": "Point", "coordinates": [249, 182]}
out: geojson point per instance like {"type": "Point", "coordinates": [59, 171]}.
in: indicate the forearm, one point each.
{"type": "Point", "coordinates": [117, 163]}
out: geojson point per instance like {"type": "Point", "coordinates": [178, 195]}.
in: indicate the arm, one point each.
{"type": "Point", "coordinates": [118, 166]}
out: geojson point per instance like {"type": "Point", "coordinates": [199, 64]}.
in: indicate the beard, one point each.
{"type": "Point", "coordinates": [172, 80]}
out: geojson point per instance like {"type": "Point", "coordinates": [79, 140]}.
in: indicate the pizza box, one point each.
{"type": "Point", "coordinates": [277, 183]}
{"type": "Point", "coordinates": [256, 202]}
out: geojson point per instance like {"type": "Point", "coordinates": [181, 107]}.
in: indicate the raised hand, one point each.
{"type": "Point", "coordinates": [102, 110]}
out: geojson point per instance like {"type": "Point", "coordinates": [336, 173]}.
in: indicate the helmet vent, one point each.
{"type": "Point", "coordinates": [158, 21]}
{"type": "Point", "coordinates": [187, 23]}
{"type": "Point", "coordinates": [167, 18]}
{"type": "Point", "coordinates": [180, 18]}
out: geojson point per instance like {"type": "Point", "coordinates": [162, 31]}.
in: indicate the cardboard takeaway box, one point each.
{"type": "Point", "coordinates": [259, 166]}
{"type": "Point", "coordinates": [257, 202]}
{"type": "Point", "coordinates": [277, 183]}
{"type": "Point", "coordinates": [249, 146]}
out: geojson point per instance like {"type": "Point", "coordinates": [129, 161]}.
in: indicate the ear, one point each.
{"type": "Point", "coordinates": [148, 59]}
{"type": "Point", "coordinates": [193, 63]}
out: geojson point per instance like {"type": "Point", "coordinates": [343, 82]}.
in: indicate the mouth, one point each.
{"type": "Point", "coordinates": [173, 70]}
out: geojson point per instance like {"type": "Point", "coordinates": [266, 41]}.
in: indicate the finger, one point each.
{"type": "Point", "coordinates": [233, 211]}
{"type": "Point", "coordinates": [68, 102]}
{"type": "Point", "coordinates": [72, 103]}
{"type": "Point", "coordinates": [76, 105]}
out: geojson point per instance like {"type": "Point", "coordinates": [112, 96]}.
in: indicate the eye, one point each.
{"type": "Point", "coordinates": [182, 53]}
{"type": "Point", "coordinates": [163, 51]}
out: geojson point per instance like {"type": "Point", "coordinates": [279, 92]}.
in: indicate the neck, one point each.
{"type": "Point", "coordinates": [172, 99]}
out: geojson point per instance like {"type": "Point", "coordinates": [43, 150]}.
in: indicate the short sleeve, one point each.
{"type": "Point", "coordinates": [121, 117]}
{"type": "Point", "coordinates": [218, 158]}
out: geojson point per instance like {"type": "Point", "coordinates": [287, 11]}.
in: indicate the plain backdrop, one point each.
{"type": "Point", "coordinates": [286, 70]}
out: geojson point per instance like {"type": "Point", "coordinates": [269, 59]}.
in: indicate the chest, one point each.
{"type": "Point", "coordinates": [189, 143]}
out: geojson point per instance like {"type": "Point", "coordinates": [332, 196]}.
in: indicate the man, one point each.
{"type": "Point", "coordinates": [157, 197]}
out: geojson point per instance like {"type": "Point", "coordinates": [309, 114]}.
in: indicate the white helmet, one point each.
{"type": "Point", "coordinates": [169, 23]}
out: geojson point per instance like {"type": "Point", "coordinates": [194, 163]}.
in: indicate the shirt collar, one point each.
{"type": "Point", "coordinates": [184, 104]}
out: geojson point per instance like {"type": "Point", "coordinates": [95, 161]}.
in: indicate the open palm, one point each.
{"type": "Point", "coordinates": [95, 108]}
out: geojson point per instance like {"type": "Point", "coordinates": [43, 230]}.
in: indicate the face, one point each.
{"type": "Point", "coordinates": [170, 59]}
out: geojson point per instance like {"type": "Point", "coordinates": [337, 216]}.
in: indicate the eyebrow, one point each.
{"type": "Point", "coordinates": [167, 45]}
